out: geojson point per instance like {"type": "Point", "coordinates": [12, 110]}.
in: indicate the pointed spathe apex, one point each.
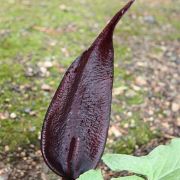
{"type": "Point", "coordinates": [75, 128]}
{"type": "Point", "coordinates": [107, 32]}
{"type": "Point", "coordinates": [112, 23]}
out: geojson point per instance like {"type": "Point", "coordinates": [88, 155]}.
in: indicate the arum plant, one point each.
{"type": "Point", "coordinates": [76, 124]}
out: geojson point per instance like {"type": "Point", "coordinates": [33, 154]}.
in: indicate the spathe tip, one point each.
{"type": "Point", "coordinates": [108, 30]}
{"type": "Point", "coordinates": [120, 13]}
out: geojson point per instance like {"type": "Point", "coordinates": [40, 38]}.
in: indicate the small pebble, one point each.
{"type": "Point", "coordinates": [175, 107]}
{"type": "Point", "coordinates": [27, 110]}
{"type": "Point", "coordinates": [141, 81]}
{"type": "Point", "coordinates": [32, 129]}
{"type": "Point", "coordinates": [23, 154]}
{"type": "Point", "coordinates": [6, 148]}
{"type": "Point", "coordinates": [150, 19]}
{"type": "Point", "coordinates": [13, 115]}
{"type": "Point", "coordinates": [178, 121]}
{"type": "Point", "coordinates": [46, 87]}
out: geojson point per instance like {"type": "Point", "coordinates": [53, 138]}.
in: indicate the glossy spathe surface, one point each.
{"type": "Point", "coordinates": [76, 123]}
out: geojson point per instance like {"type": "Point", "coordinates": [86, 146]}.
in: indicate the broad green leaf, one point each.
{"type": "Point", "coordinates": [163, 163]}
{"type": "Point", "coordinates": [128, 178]}
{"type": "Point", "coordinates": [91, 175]}
{"type": "Point", "coordinates": [175, 175]}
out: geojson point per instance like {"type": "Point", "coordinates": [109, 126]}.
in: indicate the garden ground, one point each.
{"type": "Point", "coordinates": [40, 39]}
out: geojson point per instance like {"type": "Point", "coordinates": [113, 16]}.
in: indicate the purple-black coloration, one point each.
{"type": "Point", "coordinates": [76, 124]}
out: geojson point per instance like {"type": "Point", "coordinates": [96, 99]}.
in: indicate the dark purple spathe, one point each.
{"type": "Point", "coordinates": [76, 124]}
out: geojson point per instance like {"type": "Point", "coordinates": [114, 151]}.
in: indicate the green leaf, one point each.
{"type": "Point", "coordinates": [128, 178]}
{"type": "Point", "coordinates": [163, 163]}
{"type": "Point", "coordinates": [92, 174]}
